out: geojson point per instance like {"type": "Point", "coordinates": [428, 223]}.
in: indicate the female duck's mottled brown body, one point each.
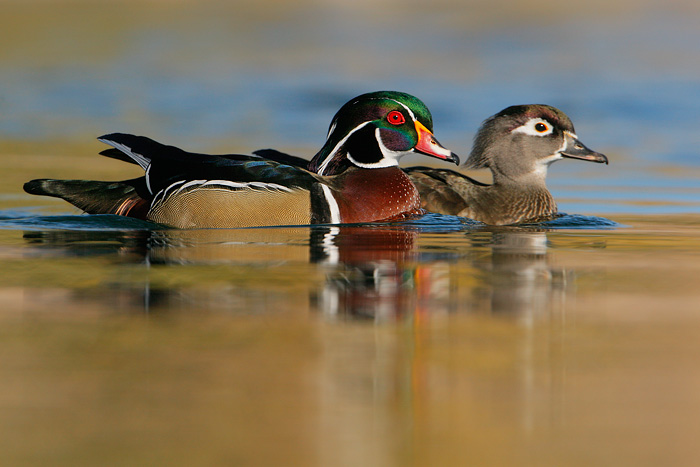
{"type": "Point", "coordinates": [453, 193]}
{"type": "Point", "coordinates": [516, 145]}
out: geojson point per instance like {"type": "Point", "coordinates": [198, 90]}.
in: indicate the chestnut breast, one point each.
{"type": "Point", "coordinates": [368, 195]}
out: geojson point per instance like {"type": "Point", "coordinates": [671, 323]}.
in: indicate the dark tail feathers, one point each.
{"type": "Point", "coordinates": [96, 197]}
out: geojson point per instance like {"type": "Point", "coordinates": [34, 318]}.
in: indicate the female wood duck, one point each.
{"type": "Point", "coordinates": [357, 177]}
{"type": "Point", "coordinates": [517, 145]}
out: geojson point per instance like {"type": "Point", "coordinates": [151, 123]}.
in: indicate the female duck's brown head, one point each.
{"type": "Point", "coordinates": [521, 141]}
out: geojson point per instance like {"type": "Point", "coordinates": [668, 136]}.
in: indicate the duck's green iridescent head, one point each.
{"type": "Point", "coordinates": [374, 130]}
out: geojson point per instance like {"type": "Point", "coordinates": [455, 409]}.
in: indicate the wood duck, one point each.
{"type": "Point", "coordinates": [517, 145]}
{"type": "Point", "coordinates": [358, 178]}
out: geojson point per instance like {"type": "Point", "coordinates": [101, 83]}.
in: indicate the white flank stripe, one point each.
{"type": "Point", "coordinates": [262, 185]}
{"type": "Point", "coordinates": [162, 194]}
{"type": "Point", "coordinates": [180, 186]}
{"type": "Point", "coordinates": [332, 204]}
{"type": "Point", "coordinates": [189, 184]}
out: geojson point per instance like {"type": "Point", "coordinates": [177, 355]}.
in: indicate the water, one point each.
{"type": "Point", "coordinates": [436, 341]}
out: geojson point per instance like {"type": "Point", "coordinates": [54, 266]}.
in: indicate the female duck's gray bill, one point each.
{"type": "Point", "coordinates": [575, 149]}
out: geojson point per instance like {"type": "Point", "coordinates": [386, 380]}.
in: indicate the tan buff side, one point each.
{"type": "Point", "coordinates": [207, 208]}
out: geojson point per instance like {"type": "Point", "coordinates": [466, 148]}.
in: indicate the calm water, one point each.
{"type": "Point", "coordinates": [432, 342]}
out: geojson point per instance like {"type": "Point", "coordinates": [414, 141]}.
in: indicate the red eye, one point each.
{"type": "Point", "coordinates": [395, 117]}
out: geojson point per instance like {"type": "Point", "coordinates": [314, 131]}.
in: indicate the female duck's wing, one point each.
{"type": "Point", "coordinates": [442, 190]}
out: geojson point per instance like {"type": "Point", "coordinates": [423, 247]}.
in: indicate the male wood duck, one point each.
{"type": "Point", "coordinates": [357, 177]}
{"type": "Point", "coordinates": [517, 145]}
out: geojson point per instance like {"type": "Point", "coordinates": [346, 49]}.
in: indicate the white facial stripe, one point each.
{"type": "Point", "coordinates": [413, 117]}
{"type": "Point", "coordinates": [332, 204]}
{"type": "Point", "coordinates": [390, 158]}
{"type": "Point", "coordinates": [410, 112]}
{"type": "Point", "coordinates": [529, 128]}
{"type": "Point", "coordinates": [330, 130]}
{"type": "Point", "coordinates": [563, 144]}
{"type": "Point", "coordinates": [328, 158]}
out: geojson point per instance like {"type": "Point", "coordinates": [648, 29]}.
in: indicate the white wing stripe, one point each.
{"type": "Point", "coordinates": [138, 158]}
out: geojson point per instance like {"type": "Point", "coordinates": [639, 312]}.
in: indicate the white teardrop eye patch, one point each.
{"type": "Point", "coordinates": [535, 127]}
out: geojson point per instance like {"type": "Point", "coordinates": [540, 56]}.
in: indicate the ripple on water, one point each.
{"type": "Point", "coordinates": [23, 220]}
{"type": "Point", "coordinates": [430, 222]}
{"type": "Point", "coordinates": [579, 221]}
{"type": "Point", "coordinates": [439, 222]}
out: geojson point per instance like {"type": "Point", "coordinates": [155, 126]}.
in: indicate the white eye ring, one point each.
{"type": "Point", "coordinates": [535, 127]}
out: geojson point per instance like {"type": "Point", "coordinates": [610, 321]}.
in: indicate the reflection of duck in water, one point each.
{"type": "Point", "coordinates": [353, 272]}
{"type": "Point", "coordinates": [378, 272]}
{"type": "Point", "coordinates": [357, 178]}
{"type": "Point", "coordinates": [368, 271]}
{"type": "Point", "coordinates": [520, 278]}
{"type": "Point", "coordinates": [383, 275]}
{"type": "Point", "coordinates": [488, 270]}
{"type": "Point", "coordinates": [516, 145]}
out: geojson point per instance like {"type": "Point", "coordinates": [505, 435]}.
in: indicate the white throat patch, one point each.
{"type": "Point", "coordinates": [543, 164]}
{"type": "Point", "coordinates": [390, 159]}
